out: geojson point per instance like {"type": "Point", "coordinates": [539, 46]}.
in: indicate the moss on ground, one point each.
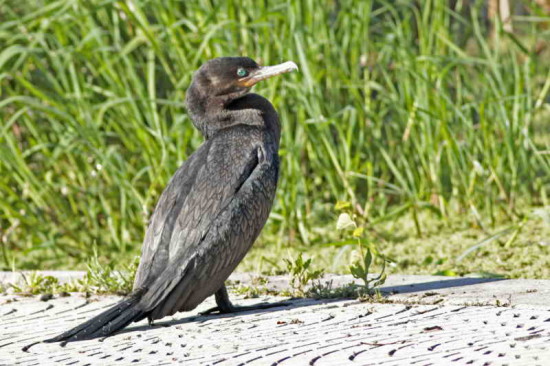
{"type": "Point", "coordinates": [438, 251]}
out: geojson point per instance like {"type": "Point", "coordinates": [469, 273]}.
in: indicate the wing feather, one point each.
{"type": "Point", "coordinates": [193, 199]}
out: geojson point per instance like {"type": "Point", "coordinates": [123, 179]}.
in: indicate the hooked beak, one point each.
{"type": "Point", "coordinates": [265, 72]}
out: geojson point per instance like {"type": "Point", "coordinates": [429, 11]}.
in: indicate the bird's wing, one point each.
{"type": "Point", "coordinates": [194, 197]}
{"type": "Point", "coordinates": [154, 251]}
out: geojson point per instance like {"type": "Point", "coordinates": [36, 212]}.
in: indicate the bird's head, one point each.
{"type": "Point", "coordinates": [231, 77]}
{"type": "Point", "coordinates": [224, 80]}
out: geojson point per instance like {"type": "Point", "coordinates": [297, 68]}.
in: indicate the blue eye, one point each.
{"type": "Point", "coordinates": [242, 72]}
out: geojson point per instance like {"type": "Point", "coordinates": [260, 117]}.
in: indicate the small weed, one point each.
{"type": "Point", "coordinates": [361, 271]}
{"type": "Point", "coordinates": [362, 268]}
{"type": "Point", "coordinates": [105, 279]}
{"type": "Point", "coordinates": [301, 275]}
{"type": "Point", "coordinates": [35, 283]}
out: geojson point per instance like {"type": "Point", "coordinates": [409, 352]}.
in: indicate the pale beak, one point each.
{"type": "Point", "coordinates": [265, 72]}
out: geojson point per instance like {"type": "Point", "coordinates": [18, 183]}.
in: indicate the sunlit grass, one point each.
{"type": "Point", "coordinates": [398, 109]}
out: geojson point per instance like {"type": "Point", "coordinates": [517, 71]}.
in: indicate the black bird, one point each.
{"type": "Point", "coordinates": [215, 205]}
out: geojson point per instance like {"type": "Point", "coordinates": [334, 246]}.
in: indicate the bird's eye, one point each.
{"type": "Point", "coordinates": [242, 72]}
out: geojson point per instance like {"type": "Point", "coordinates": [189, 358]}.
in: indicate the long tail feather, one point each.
{"type": "Point", "coordinates": [106, 323]}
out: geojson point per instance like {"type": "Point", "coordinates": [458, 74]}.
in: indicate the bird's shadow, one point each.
{"type": "Point", "coordinates": [444, 283]}
{"type": "Point", "coordinates": [198, 318]}
{"type": "Point", "coordinates": [304, 302]}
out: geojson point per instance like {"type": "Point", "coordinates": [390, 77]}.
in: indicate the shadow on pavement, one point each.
{"type": "Point", "coordinates": [285, 305]}
{"type": "Point", "coordinates": [298, 303]}
{"type": "Point", "coordinates": [436, 285]}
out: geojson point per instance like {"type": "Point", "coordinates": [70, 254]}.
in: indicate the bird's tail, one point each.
{"type": "Point", "coordinates": [108, 322]}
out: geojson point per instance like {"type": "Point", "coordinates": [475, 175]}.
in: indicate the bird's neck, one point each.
{"type": "Point", "coordinates": [212, 113]}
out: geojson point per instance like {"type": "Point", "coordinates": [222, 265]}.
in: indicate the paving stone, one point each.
{"type": "Point", "coordinates": [309, 332]}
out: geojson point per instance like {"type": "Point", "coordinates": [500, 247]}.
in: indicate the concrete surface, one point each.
{"type": "Point", "coordinates": [433, 321]}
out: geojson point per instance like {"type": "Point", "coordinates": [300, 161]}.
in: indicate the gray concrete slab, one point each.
{"type": "Point", "coordinates": [433, 322]}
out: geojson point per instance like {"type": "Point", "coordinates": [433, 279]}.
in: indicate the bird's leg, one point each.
{"type": "Point", "coordinates": [223, 302]}
{"type": "Point", "coordinates": [224, 305]}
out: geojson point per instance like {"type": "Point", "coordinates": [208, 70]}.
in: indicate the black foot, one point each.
{"type": "Point", "coordinates": [224, 306]}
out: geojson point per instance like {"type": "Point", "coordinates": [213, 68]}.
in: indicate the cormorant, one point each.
{"type": "Point", "coordinates": [215, 205]}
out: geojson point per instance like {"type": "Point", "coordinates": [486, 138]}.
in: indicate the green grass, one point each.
{"type": "Point", "coordinates": [433, 129]}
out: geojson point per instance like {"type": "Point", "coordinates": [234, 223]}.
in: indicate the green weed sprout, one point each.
{"type": "Point", "coordinates": [361, 268]}
{"type": "Point", "coordinates": [301, 274]}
